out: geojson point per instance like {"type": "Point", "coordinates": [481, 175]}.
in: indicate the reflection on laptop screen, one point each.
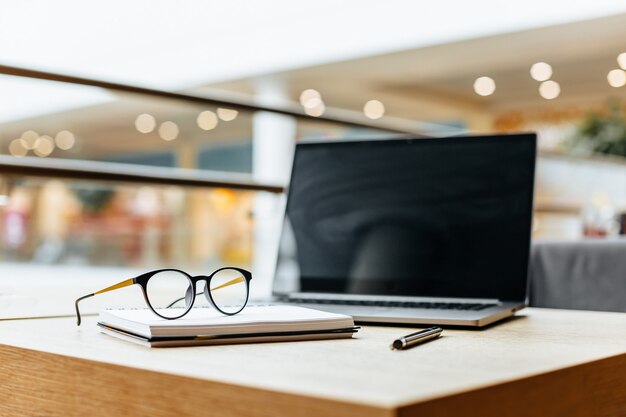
{"type": "Point", "coordinates": [447, 217]}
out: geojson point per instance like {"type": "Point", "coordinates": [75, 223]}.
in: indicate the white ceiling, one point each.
{"type": "Point", "coordinates": [435, 83]}
{"type": "Point", "coordinates": [177, 45]}
{"type": "Point", "coordinates": [411, 68]}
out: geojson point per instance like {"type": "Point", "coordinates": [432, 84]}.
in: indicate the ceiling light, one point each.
{"type": "Point", "coordinates": [65, 140]}
{"type": "Point", "coordinates": [312, 103]}
{"type": "Point", "coordinates": [227, 115]}
{"type": "Point", "coordinates": [311, 99]}
{"type": "Point", "coordinates": [484, 86]}
{"type": "Point", "coordinates": [316, 111]}
{"type": "Point", "coordinates": [145, 123]}
{"type": "Point", "coordinates": [374, 109]}
{"type": "Point", "coordinates": [616, 78]}
{"type": "Point", "coordinates": [30, 138]}
{"type": "Point", "coordinates": [621, 60]}
{"type": "Point", "coordinates": [44, 146]}
{"type": "Point", "coordinates": [17, 148]}
{"type": "Point", "coordinates": [207, 120]}
{"type": "Point", "coordinates": [541, 71]}
{"type": "Point", "coordinates": [549, 89]}
{"type": "Point", "coordinates": [168, 131]}
{"type": "Point", "coordinates": [308, 95]}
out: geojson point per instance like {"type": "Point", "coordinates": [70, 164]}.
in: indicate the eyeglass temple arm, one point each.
{"type": "Point", "coordinates": [122, 284]}
{"type": "Point", "coordinates": [229, 283]}
{"type": "Point", "coordinates": [226, 284]}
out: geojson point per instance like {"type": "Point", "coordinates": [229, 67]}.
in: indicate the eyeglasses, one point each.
{"type": "Point", "coordinates": [226, 289]}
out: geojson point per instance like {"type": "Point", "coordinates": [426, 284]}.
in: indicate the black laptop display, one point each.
{"type": "Point", "coordinates": [445, 217]}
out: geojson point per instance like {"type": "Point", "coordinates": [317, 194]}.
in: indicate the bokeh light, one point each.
{"type": "Point", "coordinates": [17, 148]}
{"type": "Point", "coordinates": [44, 146]}
{"type": "Point", "coordinates": [541, 71]}
{"type": "Point", "coordinates": [621, 60]}
{"type": "Point", "coordinates": [65, 140]}
{"type": "Point", "coordinates": [311, 99]}
{"type": "Point", "coordinates": [207, 120]}
{"type": "Point", "coordinates": [227, 115]}
{"type": "Point", "coordinates": [374, 109]}
{"type": "Point", "coordinates": [317, 110]}
{"type": "Point", "coordinates": [549, 89]}
{"type": "Point", "coordinates": [484, 86]}
{"type": "Point", "coordinates": [616, 78]}
{"type": "Point", "coordinates": [168, 131]}
{"type": "Point", "coordinates": [145, 123]}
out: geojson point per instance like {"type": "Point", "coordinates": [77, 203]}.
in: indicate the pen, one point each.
{"type": "Point", "coordinates": [416, 338]}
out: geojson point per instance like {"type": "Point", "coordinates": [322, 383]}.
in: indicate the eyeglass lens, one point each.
{"type": "Point", "coordinates": [166, 286]}
{"type": "Point", "coordinates": [229, 291]}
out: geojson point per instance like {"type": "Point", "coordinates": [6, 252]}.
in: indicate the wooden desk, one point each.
{"type": "Point", "coordinates": [543, 363]}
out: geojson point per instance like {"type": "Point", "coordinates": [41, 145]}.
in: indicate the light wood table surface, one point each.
{"type": "Point", "coordinates": [541, 363]}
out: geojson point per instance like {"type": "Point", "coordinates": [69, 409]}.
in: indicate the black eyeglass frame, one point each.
{"type": "Point", "coordinates": [142, 281]}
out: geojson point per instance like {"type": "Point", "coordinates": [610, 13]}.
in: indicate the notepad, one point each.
{"type": "Point", "coordinates": [206, 326]}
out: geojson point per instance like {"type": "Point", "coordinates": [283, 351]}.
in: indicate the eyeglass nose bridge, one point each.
{"type": "Point", "coordinates": [206, 278]}
{"type": "Point", "coordinates": [190, 296]}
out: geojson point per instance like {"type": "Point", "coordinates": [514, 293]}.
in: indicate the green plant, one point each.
{"type": "Point", "coordinates": [603, 133]}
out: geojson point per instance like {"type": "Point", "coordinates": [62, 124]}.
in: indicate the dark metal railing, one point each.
{"type": "Point", "coordinates": [103, 171]}
{"type": "Point", "coordinates": [116, 172]}
{"type": "Point", "coordinates": [331, 115]}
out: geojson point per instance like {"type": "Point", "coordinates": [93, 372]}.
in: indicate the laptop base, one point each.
{"type": "Point", "coordinates": [417, 316]}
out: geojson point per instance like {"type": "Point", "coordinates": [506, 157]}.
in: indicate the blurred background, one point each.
{"type": "Point", "coordinates": [268, 74]}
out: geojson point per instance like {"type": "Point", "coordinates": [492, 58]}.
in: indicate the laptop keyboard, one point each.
{"type": "Point", "coordinates": [402, 304]}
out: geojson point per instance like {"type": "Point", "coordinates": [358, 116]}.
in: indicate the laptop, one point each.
{"type": "Point", "coordinates": [413, 231]}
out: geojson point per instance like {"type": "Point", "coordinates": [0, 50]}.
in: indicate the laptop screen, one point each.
{"type": "Point", "coordinates": [444, 217]}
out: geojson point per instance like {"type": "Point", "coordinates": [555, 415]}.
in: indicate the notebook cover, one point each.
{"type": "Point", "coordinates": [229, 338]}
